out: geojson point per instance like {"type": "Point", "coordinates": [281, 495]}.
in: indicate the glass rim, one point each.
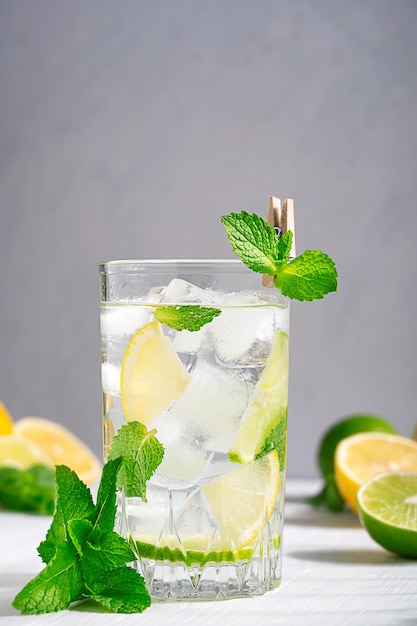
{"type": "Point", "coordinates": [122, 265]}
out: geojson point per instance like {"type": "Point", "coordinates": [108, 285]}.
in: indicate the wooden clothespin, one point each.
{"type": "Point", "coordinates": [281, 217]}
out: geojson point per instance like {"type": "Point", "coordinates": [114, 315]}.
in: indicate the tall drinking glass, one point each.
{"type": "Point", "coordinates": [215, 393]}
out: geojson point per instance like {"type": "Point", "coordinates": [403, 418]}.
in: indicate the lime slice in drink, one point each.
{"type": "Point", "coordinates": [241, 500]}
{"type": "Point", "coordinates": [152, 374]}
{"type": "Point", "coordinates": [193, 552]}
{"type": "Point", "coordinates": [387, 506]}
{"type": "Point", "coordinates": [268, 405]}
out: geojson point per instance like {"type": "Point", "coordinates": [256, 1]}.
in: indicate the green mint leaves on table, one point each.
{"type": "Point", "coordinates": [190, 317]}
{"type": "Point", "coordinates": [309, 276]}
{"type": "Point", "coordinates": [84, 557]}
{"type": "Point", "coordinates": [30, 490]}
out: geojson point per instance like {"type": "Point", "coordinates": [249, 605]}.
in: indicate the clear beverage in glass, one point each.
{"type": "Point", "coordinates": [212, 523]}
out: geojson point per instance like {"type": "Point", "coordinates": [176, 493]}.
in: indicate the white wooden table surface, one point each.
{"type": "Point", "coordinates": [333, 573]}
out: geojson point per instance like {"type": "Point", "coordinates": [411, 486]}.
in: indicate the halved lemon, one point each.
{"type": "Point", "coordinates": [18, 452]}
{"type": "Point", "coordinates": [361, 457]}
{"type": "Point", "coordinates": [6, 422]}
{"type": "Point", "coordinates": [241, 500]}
{"type": "Point", "coordinates": [61, 446]}
{"type": "Point", "coordinates": [152, 375]}
{"type": "Point", "coordinates": [268, 405]}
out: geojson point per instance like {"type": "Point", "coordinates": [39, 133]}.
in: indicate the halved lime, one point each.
{"type": "Point", "coordinates": [268, 405]}
{"type": "Point", "coordinates": [19, 452]}
{"type": "Point", "coordinates": [387, 506]}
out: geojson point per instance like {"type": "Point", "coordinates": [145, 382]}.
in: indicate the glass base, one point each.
{"type": "Point", "coordinates": [213, 581]}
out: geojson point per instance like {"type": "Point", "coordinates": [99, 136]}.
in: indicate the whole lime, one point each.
{"type": "Point", "coordinates": [350, 425]}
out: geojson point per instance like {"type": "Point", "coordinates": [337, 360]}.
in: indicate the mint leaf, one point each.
{"type": "Point", "coordinates": [103, 552]}
{"type": "Point", "coordinates": [253, 240]}
{"type": "Point", "coordinates": [284, 246]}
{"type": "Point", "coordinates": [309, 276]}
{"type": "Point", "coordinates": [58, 584]}
{"type": "Point", "coordinates": [190, 317]}
{"type": "Point", "coordinates": [78, 532]}
{"type": "Point", "coordinates": [30, 490]}
{"type": "Point", "coordinates": [72, 501]}
{"type": "Point", "coordinates": [276, 440]}
{"type": "Point", "coordinates": [121, 590]}
{"type": "Point", "coordinates": [141, 452]}
{"type": "Point", "coordinates": [106, 496]}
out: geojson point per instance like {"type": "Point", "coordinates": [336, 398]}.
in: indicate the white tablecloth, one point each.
{"type": "Point", "coordinates": [333, 573]}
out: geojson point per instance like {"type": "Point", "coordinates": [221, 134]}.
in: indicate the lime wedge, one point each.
{"type": "Point", "coordinates": [268, 405]}
{"type": "Point", "coordinates": [387, 506]}
{"type": "Point", "coordinates": [152, 375]}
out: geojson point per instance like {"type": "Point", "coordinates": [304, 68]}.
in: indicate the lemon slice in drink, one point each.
{"type": "Point", "coordinates": [268, 405]}
{"type": "Point", "coordinates": [387, 506]}
{"type": "Point", "coordinates": [361, 457]}
{"type": "Point", "coordinates": [241, 499]}
{"type": "Point", "coordinates": [152, 374]}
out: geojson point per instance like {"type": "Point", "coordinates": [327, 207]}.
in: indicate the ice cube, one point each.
{"type": "Point", "coordinates": [110, 378]}
{"type": "Point", "coordinates": [242, 336]}
{"type": "Point", "coordinates": [211, 406]}
{"type": "Point", "coordinates": [181, 465]}
{"type": "Point", "coordinates": [189, 342]}
{"type": "Point", "coordinates": [183, 462]}
{"type": "Point", "coordinates": [180, 291]}
{"type": "Point", "coordinates": [154, 296]}
{"type": "Point", "coordinates": [123, 319]}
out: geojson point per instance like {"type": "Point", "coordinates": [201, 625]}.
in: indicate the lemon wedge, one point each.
{"type": "Point", "coordinates": [241, 500]}
{"type": "Point", "coordinates": [152, 375]}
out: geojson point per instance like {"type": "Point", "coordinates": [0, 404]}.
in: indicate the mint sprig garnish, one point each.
{"type": "Point", "coordinates": [310, 276]}
{"type": "Point", "coordinates": [190, 317]}
{"type": "Point", "coordinates": [84, 558]}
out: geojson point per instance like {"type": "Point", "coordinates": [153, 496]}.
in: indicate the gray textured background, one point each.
{"type": "Point", "coordinates": [127, 128]}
